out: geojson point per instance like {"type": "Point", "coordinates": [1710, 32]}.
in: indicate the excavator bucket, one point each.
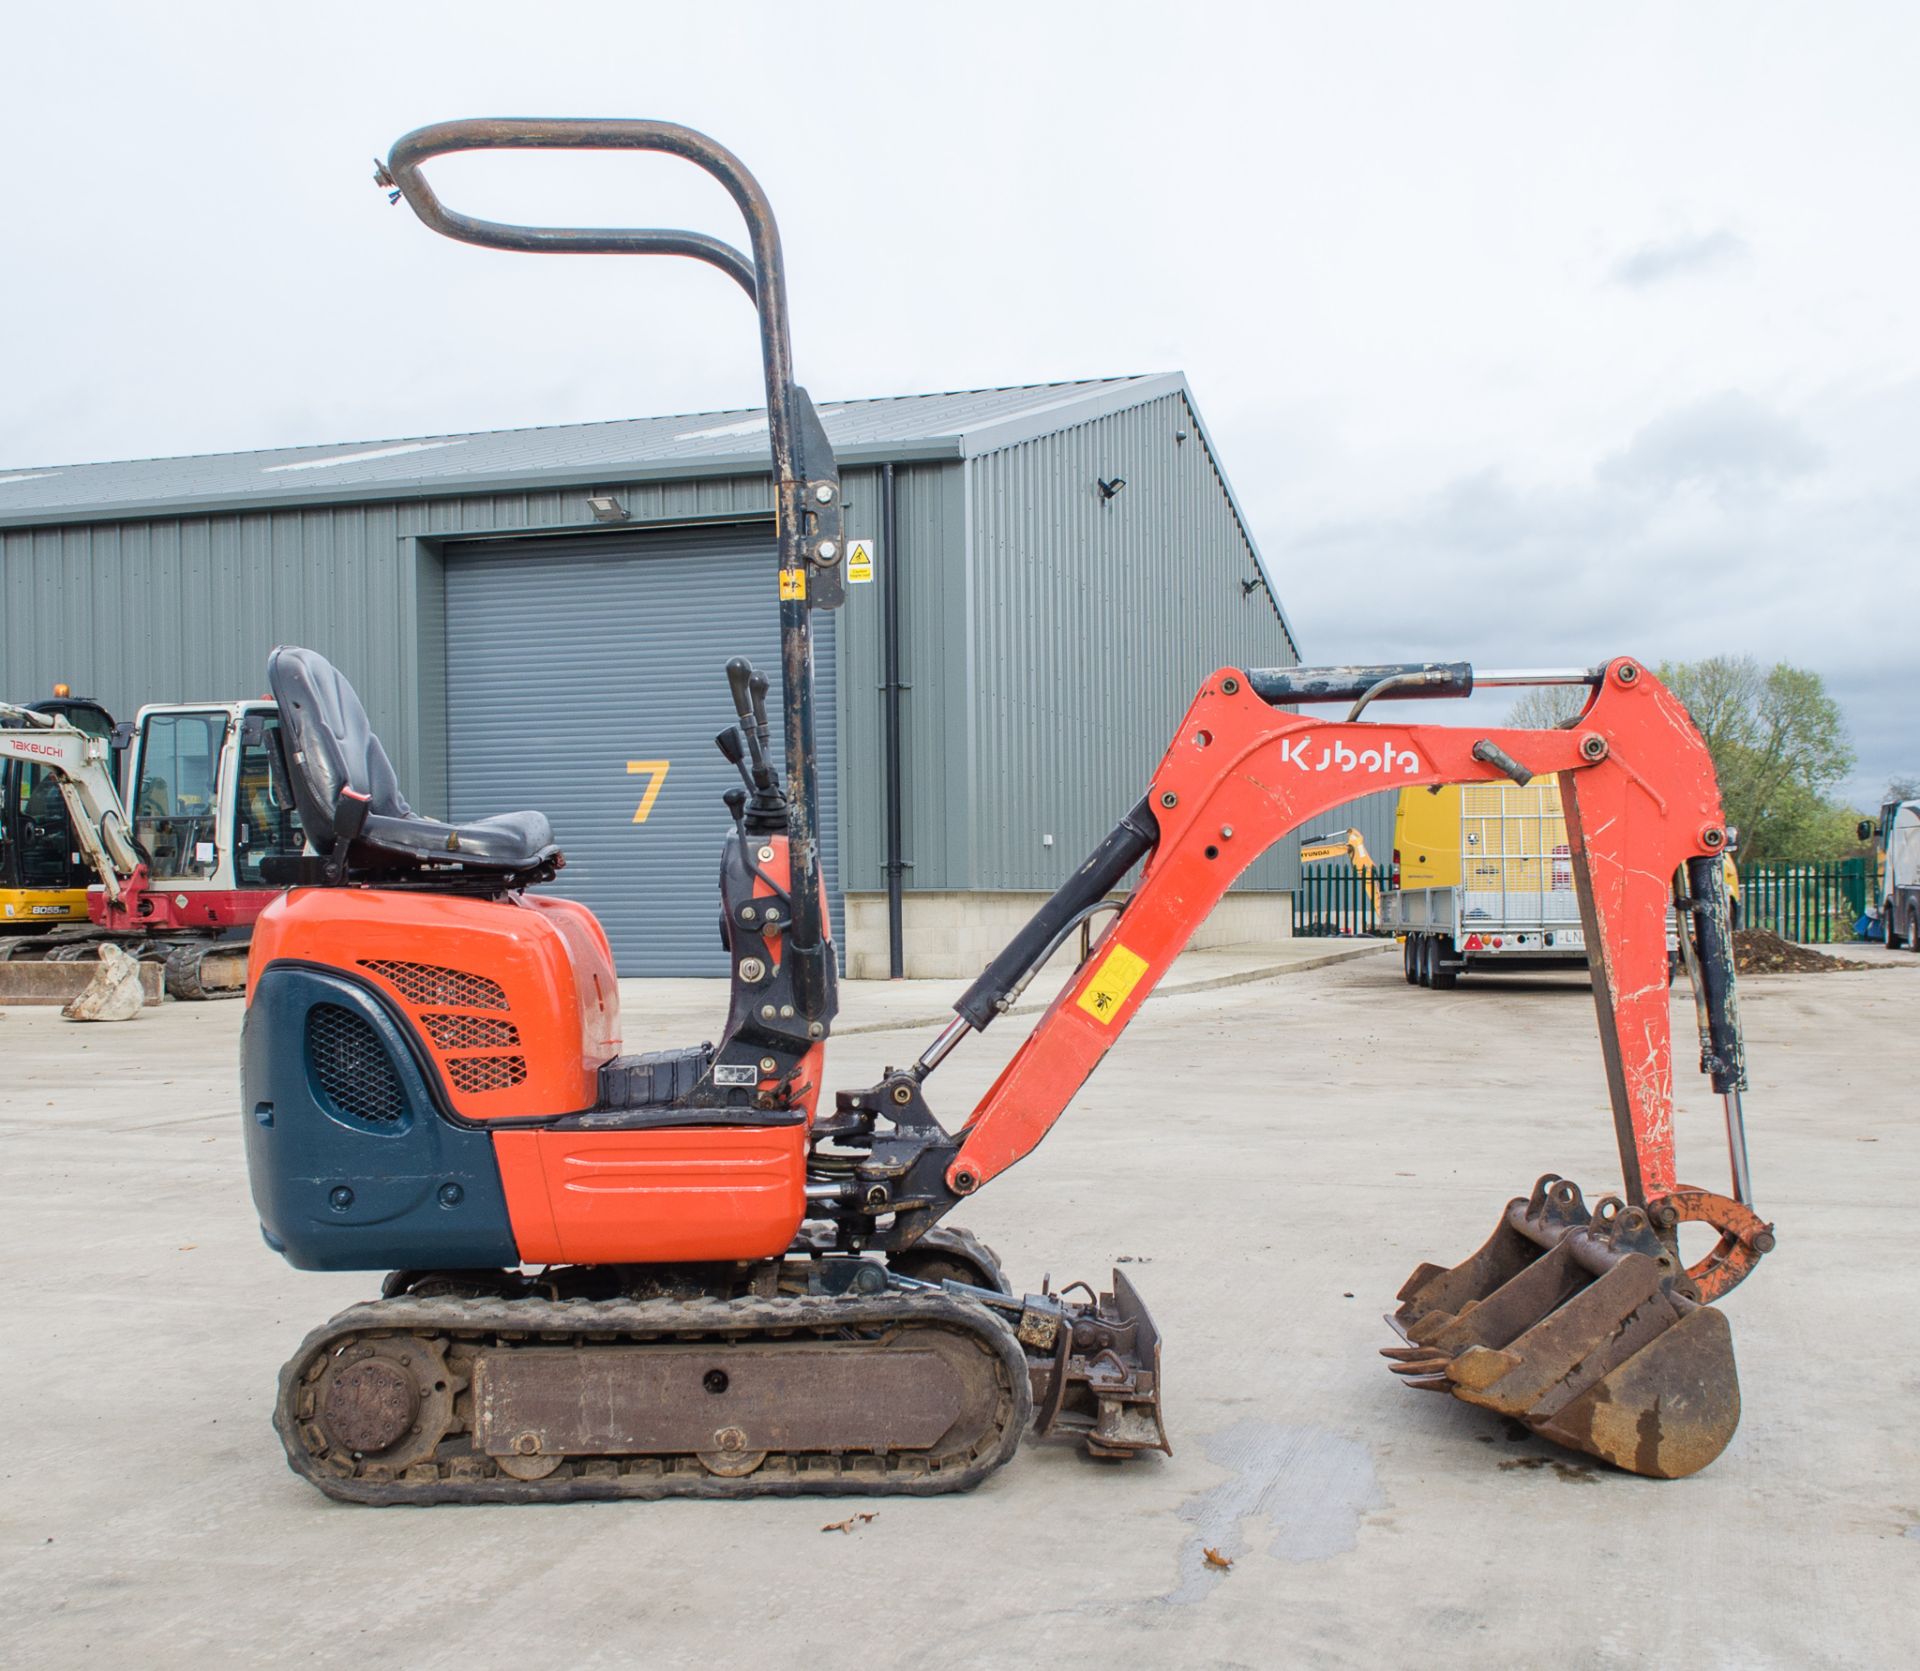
{"type": "Point", "coordinates": [1582, 1325]}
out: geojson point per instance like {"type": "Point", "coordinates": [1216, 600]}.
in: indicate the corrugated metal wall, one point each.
{"type": "Point", "coordinates": [1092, 623]}
{"type": "Point", "coordinates": [179, 609]}
{"type": "Point", "coordinates": [930, 568]}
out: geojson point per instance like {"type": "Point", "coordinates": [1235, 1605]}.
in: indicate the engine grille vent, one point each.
{"type": "Point", "coordinates": [353, 1067]}
{"type": "Point", "coordinates": [428, 983]}
{"type": "Point", "coordinates": [486, 1073]}
{"type": "Point", "coordinates": [470, 1032]}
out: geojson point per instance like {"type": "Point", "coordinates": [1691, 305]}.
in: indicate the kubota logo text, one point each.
{"type": "Point", "coordinates": [1320, 753]}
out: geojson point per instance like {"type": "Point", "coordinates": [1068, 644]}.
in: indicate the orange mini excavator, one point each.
{"type": "Point", "coordinates": [678, 1273]}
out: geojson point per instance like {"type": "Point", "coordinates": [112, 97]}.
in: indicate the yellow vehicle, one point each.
{"type": "Point", "coordinates": [43, 874]}
{"type": "Point", "coordinates": [1482, 880]}
{"type": "Point", "coordinates": [1338, 844]}
{"type": "Point", "coordinates": [1344, 844]}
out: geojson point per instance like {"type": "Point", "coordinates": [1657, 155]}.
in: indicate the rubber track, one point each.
{"type": "Point", "coordinates": [183, 966]}
{"type": "Point", "coordinates": [950, 1238]}
{"type": "Point", "coordinates": [481, 1322]}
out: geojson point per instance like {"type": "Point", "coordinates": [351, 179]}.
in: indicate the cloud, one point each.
{"type": "Point", "coordinates": [1788, 556]}
{"type": "Point", "coordinates": [1725, 443]}
{"type": "Point", "coordinates": [1680, 257]}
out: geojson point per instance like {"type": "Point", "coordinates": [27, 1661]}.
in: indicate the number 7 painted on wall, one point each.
{"type": "Point", "coordinates": [657, 771]}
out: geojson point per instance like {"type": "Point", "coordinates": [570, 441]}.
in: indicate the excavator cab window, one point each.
{"type": "Point", "coordinates": [176, 815]}
{"type": "Point", "coordinates": [268, 827]}
{"type": "Point", "coordinates": [42, 833]}
{"type": "Point", "coordinates": [37, 849]}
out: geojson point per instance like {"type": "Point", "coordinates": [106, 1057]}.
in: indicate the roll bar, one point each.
{"type": "Point", "coordinates": [807, 496]}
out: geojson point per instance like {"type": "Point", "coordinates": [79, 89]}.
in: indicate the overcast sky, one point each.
{"type": "Point", "coordinates": [1527, 333]}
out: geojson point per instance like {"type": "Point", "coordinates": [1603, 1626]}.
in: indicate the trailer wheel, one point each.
{"type": "Point", "coordinates": [1410, 959]}
{"type": "Point", "coordinates": [1443, 977]}
{"type": "Point", "coordinates": [1423, 960]}
{"type": "Point", "coordinates": [1913, 928]}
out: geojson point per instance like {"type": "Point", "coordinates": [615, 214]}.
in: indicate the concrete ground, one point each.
{"type": "Point", "coordinates": [1271, 1158]}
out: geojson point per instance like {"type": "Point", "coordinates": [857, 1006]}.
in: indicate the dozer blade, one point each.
{"type": "Point", "coordinates": [1095, 1367]}
{"type": "Point", "coordinates": [1585, 1327]}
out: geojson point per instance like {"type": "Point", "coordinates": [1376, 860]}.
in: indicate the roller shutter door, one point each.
{"type": "Point", "coordinates": [572, 665]}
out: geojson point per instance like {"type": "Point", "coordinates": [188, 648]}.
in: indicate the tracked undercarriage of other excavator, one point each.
{"type": "Point", "coordinates": [676, 1273]}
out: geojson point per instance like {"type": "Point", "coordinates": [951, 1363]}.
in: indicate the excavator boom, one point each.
{"type": "Point", "coordinates": [1241, 774]}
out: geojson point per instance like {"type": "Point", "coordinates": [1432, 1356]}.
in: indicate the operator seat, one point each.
{"type": "Point", "coordinates": [337, 767]}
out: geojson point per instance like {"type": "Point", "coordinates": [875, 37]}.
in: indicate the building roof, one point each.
{"type": "Point", "coordinates": [903, 428]}
{"type": "Point", "coordinates": [906, 427]}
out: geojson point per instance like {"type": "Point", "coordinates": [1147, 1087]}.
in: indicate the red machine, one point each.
{"type": "Point", "coordinates": [184, 860]}
{"type": "Point", "coordinates": [739, 1292]}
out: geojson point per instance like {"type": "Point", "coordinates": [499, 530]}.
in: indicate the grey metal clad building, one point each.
{"type": "Point", "coordinates": [515, 651]}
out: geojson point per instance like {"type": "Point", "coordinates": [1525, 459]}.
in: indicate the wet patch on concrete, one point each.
{"type": "Point", "coordinates": [1310, 1484]}
{"type": "Point", "coordinates": [1577, 1473]}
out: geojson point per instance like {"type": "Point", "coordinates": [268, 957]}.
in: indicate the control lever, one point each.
{"type": "Point", "coordinates": [758, 685]}
{"type": "Point", "coordinates": [745, 745]}
{"type": "Point", "coordinates": [732, 742]}
{"type": "Point", "coordinates": [740, 677]}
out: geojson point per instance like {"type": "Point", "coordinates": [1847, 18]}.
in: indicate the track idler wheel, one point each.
{"type": "Point", "coordinates": [1585, 1327]}
{"type": "Point", "coordinates": [384, 1404]}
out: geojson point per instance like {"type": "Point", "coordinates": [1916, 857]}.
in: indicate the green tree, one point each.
{"type": "Point", "coordinates": [1543, 707]}
{"type": "Point", "coordinates": [1780, 745]}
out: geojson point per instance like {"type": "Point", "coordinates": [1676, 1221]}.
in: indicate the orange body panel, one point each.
{"type": "Point", "coordinates": [514, 1001]}
{"type": "Point", "coordinates": [654, 1197]}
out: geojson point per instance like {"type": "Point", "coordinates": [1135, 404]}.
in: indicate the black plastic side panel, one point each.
{"type": "Point", "coordinates": [336, 1193]}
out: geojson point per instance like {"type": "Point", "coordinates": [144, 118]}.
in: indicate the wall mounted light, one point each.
{"type": "Point", "coordinates": [1109, 489]}
{"type": "Point", "coordinates": [606, 508]}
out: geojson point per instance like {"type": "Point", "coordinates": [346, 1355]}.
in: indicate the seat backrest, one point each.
{"type": "Point", "coordinates": [330, 744]}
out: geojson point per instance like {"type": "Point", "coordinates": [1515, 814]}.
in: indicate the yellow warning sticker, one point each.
{"type": "Point", "coordinates": [793, 585]}
{"type": "Point", "coordinates": [859, 562]}
{"type": "Point", "coordinates": [1119, 973]}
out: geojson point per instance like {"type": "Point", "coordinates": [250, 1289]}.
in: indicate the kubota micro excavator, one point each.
{"type": "Point", "coordinates": [677, 1273]}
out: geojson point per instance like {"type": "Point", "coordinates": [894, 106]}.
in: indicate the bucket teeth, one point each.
{"type": "Point", "coordinates": [1583, 1327]}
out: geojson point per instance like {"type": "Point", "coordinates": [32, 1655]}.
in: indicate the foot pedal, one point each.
{"type": "Point", "coordinates": [1582, 1325]}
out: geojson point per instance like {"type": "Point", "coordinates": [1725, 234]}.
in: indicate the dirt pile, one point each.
{"type": "Point", "coordinates": [1759, 951]}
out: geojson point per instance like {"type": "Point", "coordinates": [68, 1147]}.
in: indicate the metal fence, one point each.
{"type": "Point", "coordinates": [1334, 899]}
{"type": "Point", "coordinates": [1807, 902]}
